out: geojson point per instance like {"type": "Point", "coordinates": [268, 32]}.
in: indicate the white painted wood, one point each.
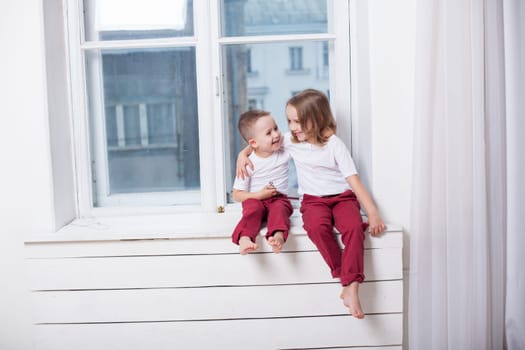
{"type": "Point", "coordinates": [394, 347]}
{"type": "Point", "coordinates": [341, 88]}
{"type": "Point", "coordinates": [159, 223]}
{"type": "Point", "coordinates": [213, 303]}
{"type": "Point", "coordinates": [199, 293]}
{"type": "Point", "coordinates": [296, 242]}
{"type": "Point", "coordinates": [199, 270]}
{"type": "Point", "coordinates": [294, 333]}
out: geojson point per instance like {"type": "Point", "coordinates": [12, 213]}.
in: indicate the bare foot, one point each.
{"type": "Point", "coordinates": [276, 241]}
{"type": "Point", "coordinates": [350, 296]}
{"type": "Point", "coordinates": [246, 245]}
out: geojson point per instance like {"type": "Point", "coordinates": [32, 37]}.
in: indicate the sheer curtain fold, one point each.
{"type": "Point", "coordinates": [457, 250]}
{"type": "Point", "coordinates": [514, 29]}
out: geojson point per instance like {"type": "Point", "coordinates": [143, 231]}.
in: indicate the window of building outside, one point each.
{"type": "Point", "coordinates": [296, 58]}
{"type": "Point", "coordinates": [249, 68]}
{"type": "Point", "coordinates": [162, 84]}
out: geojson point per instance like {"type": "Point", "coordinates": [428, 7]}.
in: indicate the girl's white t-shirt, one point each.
{"type": "Point", "coordinates": [321, 170]}
{"type": "Point", "coordinates": [273, 168]}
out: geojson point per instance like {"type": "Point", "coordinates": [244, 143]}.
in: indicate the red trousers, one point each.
{"type": "Point", "coordinates": [320, 215]}
{"type": "Point", "coordinates": [276, 210]}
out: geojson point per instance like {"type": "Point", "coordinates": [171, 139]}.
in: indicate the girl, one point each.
{"type": "Point", "coordinates": [330, 189]}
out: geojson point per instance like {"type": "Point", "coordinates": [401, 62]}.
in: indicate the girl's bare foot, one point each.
{"type": "Point", "coordinates": [246, 245]}
{"type": "Point", "coordinates": [276, 241]}
{"type": "Point", "coordinates": [350, 296]}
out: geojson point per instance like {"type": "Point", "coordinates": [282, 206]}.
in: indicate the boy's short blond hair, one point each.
{"type": "Point", "coordinates": [247, 120]}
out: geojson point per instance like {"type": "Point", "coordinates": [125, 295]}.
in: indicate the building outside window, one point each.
{"type": "Point", "coordinates": [160, 87]}
{"type": "Point", "coordinates": [249, 67]}
{"type": "Point", "coordinates": [326, 57]}
{"type": "Point", "coordinates": [296, 58]}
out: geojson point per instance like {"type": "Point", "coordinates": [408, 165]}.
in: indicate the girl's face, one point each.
{"type": "Point", "coordinates": [295, 125]}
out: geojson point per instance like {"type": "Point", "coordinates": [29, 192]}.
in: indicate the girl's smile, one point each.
{"type": "Point", "coordinates": [294, 124]}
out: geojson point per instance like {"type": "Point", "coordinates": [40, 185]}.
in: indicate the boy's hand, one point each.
{"type": "Point", "coordinates": [268, 191]}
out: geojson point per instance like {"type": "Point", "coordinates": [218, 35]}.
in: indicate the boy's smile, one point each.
{"type": "Point", "coordinates": [266, 136]}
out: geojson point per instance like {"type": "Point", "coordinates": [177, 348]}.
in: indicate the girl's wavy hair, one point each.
{"type": "Point", "coordinates": [313, 110]}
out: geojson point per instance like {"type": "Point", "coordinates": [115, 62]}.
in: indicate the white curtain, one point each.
{"type": "Point", "coordinates": [464, 178]}
{"type": "Point", "coordinates": [514, 14]}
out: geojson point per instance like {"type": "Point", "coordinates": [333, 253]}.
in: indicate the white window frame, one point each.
{"type": "Point", "coordinates": [137, 203]}
{"type": "Point", "coordinates": [208, 49]}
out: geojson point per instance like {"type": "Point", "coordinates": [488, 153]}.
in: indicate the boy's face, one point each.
{"type": "Point", "coordinates": [266, 136]}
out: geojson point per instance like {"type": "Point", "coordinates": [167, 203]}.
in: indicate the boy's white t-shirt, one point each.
{"type": "Point", "coordinates": [273, 168]}
{"type": "Point", "coordinates": [321, 170]}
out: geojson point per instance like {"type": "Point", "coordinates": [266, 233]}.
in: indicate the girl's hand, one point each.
{"type": "Point", "coordinates": [242, 162]}
{"type": "Point", "coordinates": [375, 225]}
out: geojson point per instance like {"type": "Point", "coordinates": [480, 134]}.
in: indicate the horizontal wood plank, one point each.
{"type": "Point", "coordinates": [264, 334]}
{"type": "Point", "coordinates": [211, 303]}
{"type": "Point", "coordinates": [183, 246]}
{"type": "Point", "coordinates": [199, 270]}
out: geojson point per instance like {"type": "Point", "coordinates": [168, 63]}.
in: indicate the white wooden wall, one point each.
{"type": "Point", "coordinates": [201, 294]}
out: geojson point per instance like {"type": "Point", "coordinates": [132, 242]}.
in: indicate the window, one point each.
{"type": "Point", "coordinates": [148, 117]}
{"type": "Point", "coordinates": [296, 58]}
{"type": "Point", "coordinates": [158, 87]}
{"type": "Point", "coordinates": [249, 68]}
{"type": "Point", "coordinates": [325, 54]}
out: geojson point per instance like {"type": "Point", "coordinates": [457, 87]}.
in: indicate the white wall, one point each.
{"type": "Point", "coordinates": [383, 72]}
{"type": "Point", "coordinates": [386, 59]}
{"type": "Point", "coordinates": [26, 185]}
{"type": "Point", "coordinates": [392, 54]}
{"type": "Point", "coordinates": [392, 51]}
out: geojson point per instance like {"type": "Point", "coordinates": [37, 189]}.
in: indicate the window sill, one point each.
{"type": "Point", "coordinates": [157, 227]}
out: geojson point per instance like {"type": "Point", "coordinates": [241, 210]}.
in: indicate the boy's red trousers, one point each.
{"type": "Point", "coordinates": [276, 210]}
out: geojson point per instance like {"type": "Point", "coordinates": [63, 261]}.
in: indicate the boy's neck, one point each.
{"type": "Point", "coordinates": [260, 154]}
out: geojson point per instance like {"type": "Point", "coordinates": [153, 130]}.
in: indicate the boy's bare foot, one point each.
{"type": "Point", "coordinates": [246, 245]}
{"type": "Point", "coordinates": [350, 296]}
{"type": "Point", "coordinates": [276, 241]}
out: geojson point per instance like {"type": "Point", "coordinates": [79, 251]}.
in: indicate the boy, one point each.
{"type": "Point", "coordinates": [264, 193]}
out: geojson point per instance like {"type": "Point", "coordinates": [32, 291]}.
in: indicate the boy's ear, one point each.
{"type": "Point", "coordinates": [252, 143]}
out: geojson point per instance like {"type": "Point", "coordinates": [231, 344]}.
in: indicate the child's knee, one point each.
{"type": "Point", "coordinates": [252, 205]}
{"type": "Point", "coordinates": [319, 230]}
{"type": "Point", "coordinates": [350, 227]}
{"type": "Point", "coordinates": [352, 232]}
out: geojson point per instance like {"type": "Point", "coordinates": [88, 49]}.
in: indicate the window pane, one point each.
{"type": "Point", "coordinates": [259, 76]}
{"type": "Point", "coordinates": [272, 17]}
{"type": "Point", "coordinates": [139, 19]}
{"type": "Point", "coordinates": [145, 123]}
